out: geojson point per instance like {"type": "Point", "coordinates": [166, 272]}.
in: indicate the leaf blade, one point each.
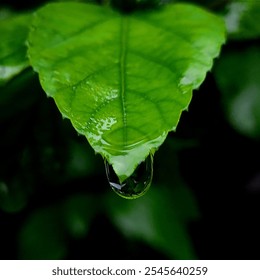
{"type": "Point", "coordinates": [131, 82]}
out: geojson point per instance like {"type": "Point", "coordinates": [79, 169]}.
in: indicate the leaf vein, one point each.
{"type": "Point", "coordinates": [73, 35]}
{"type": "Point", "coordinates": [156, 105]}
{"type": "Point", "coordinates": [155, 61]}
{"type": "Point", "coordinates": [170, 31]}
{"type": "Point", "coordinates": [122, 71]}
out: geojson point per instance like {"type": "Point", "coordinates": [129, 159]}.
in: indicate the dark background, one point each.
{"type": "Point", "coordinates": [38, 172]}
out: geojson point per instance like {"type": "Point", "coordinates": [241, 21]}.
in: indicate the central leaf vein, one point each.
{"type": "Point", "coordinates": [122, 69]}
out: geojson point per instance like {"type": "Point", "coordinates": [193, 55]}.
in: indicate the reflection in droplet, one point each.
{"type": "Point", "coordinates": [137, 184]}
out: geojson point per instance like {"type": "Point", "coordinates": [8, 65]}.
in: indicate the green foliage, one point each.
{"type": "Point", "coordinates": [46, 231]}
{"type": "Point", "coordinates": [53, 189]}
{"type": "Point", "coordinates": [42, 237]}
{"type": "Point", "coordinates": [242, 19]}
{"type": "Point", "coordinates": [237, 72]}
{"type": "Point", "coordinates": [14, 32]}
{"type": "Point", "coordinates": [153, 220]}
{"type": "Point", "coordinates": [240, 87]}
{"type": "Point", "coordinates": [132, 76]}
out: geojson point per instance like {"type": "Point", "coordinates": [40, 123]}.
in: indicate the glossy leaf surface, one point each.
{"type": "Point", "coordinates": [13, 33]}
{"type": "Point", "coordinates": [123, 80]}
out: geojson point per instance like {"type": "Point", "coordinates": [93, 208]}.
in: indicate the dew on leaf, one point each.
{"type": "Point", "coordinates": [137, 184]}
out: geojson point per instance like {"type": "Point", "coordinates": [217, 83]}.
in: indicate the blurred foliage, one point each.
{"type": "Point", "coordinates": [42, 236]}
{"type": "Point", "coordinates": [159, 218]}
{"type": "Point", "coordinates": [237, 75]}
{"type": "Point", "coordinates": [55, 200]}
{"type": "Point", "coordinates": [13, 50]}
{"type": "Point", "coordinates": [242, 19]}
{"type": "Point", "coordinates": [237, 72]}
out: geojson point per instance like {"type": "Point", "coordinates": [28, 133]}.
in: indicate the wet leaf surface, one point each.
{"type": "Point", "coordinates": [123, 80]}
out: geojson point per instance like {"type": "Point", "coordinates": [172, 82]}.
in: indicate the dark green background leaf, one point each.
{"type": "Point", "coordinates": [237, 75]}
{"type": "Point", "coordinates": [157, 220]}
{"type": "Point", "coordinates": [42, 236]}
{"type": "Point", "coordinates": [242, 19]}
{"type": "Point", "coordinates": [14, 31]}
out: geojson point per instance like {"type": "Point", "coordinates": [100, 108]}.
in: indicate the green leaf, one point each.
{"type": "Point", "coordinates": [123, 80]}
{"type": "Point", "coordinates": [14, 31]}
{"type": "Point", "coordinates": [242, 19]}
{"type": "Point", "coordinates": [237, 75]}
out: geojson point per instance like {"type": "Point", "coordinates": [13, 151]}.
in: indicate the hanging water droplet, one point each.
{"type": "Point", "coordinates": [135, 185]}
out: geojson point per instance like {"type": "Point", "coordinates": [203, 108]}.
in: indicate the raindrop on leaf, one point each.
{"type": "Point", "coordinates": [134, 186]}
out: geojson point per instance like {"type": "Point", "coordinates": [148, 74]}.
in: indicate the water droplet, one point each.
{"type": "Point", "coordinates": [137, 184]}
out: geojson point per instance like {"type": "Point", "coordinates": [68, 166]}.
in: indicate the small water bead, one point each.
{"type": "Point", "coordinates": [137, 184]}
